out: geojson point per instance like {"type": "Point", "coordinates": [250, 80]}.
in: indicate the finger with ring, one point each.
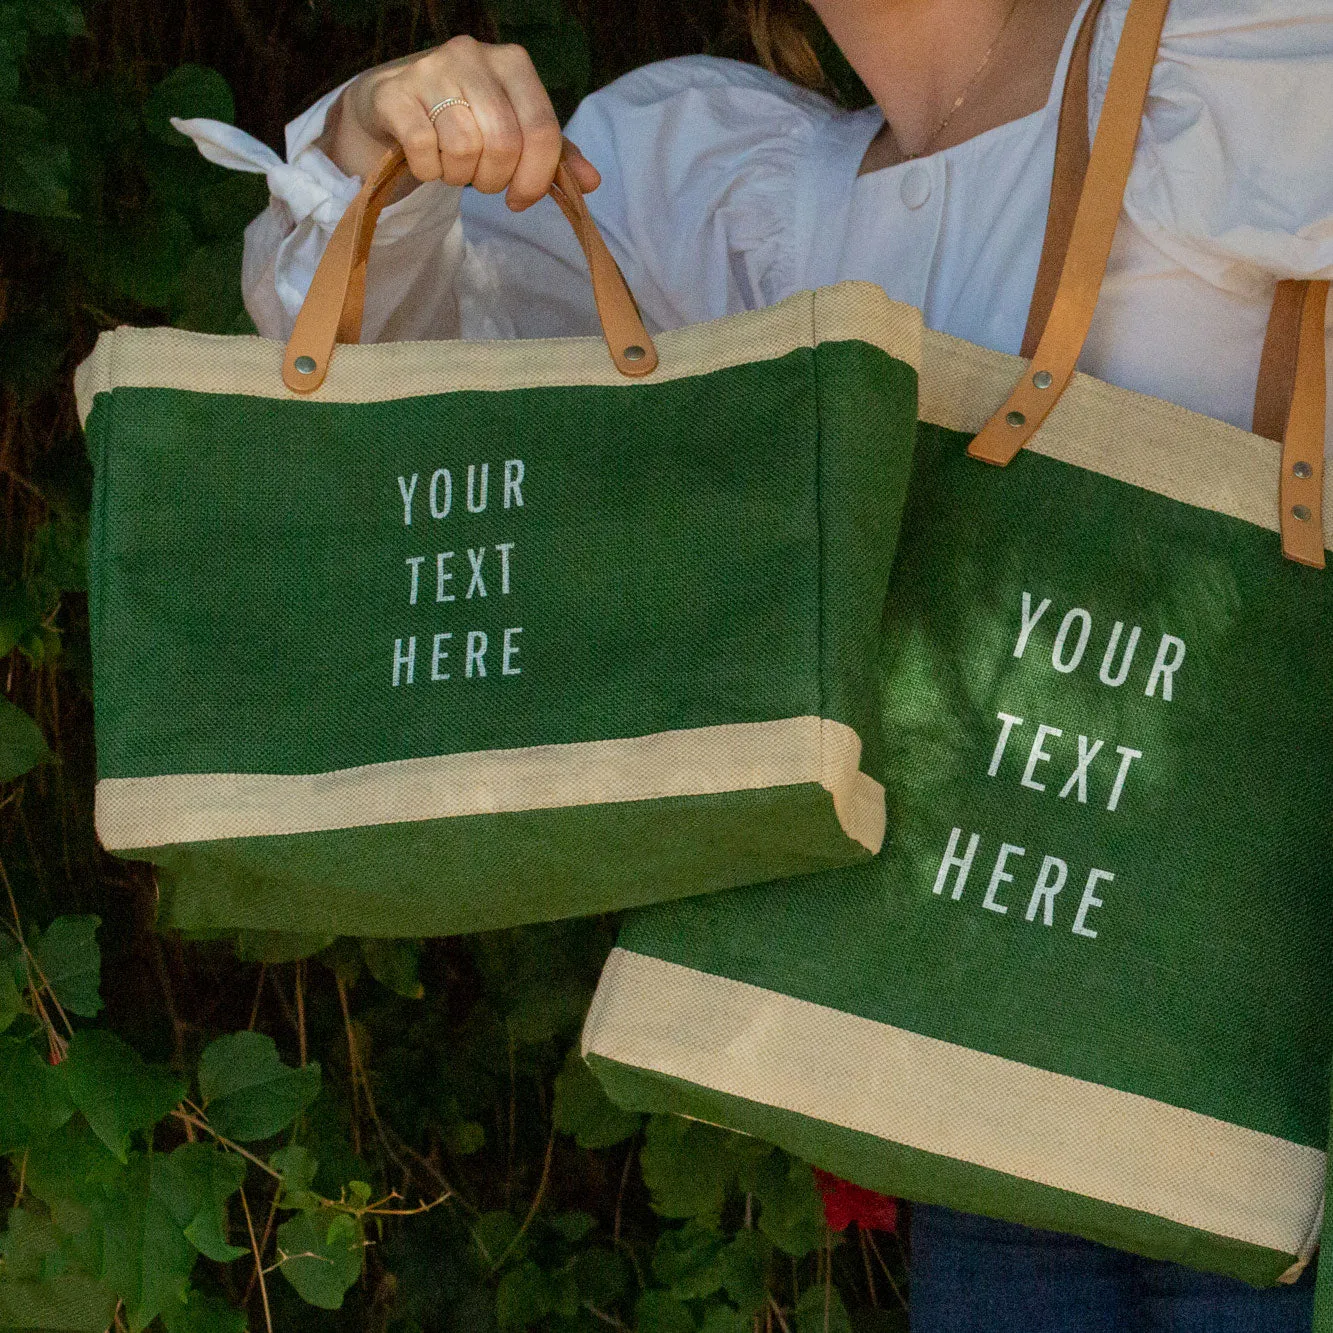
{"type": "Point", "coordinates": [448, 102]}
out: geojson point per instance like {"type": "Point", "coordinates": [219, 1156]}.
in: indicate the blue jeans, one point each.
{"type": "Point", "coordinates": [976, 1275]}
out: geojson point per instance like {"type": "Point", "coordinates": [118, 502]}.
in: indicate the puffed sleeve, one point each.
{"type": "Point", "coordinates": [1233, 174]}
{"type": "Point", "coordinates": [696, 155]}
{"type": "Point", "coordinates": [418, 246]}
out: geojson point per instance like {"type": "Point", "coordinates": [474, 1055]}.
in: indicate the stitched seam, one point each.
{"type": "Point", "coordinates": [821, 562]}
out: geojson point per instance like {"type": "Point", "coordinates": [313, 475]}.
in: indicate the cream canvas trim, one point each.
{"type": "Point", "coordinates": [699, 761]}
{"type": "Point", "coordinates": [1144, 441]}
{"type": "Point", "coordinates": [165, 358]}
{"type": "Point", "coordinates": [1117, 433]}
{"type": "Point", "coordinates": [945, 1099]}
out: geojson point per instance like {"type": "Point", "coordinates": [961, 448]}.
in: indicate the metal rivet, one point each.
{"type": "Point", "coordinates": [1300, 512]}
{"type": "Point", "coordinates": [1016, 419]}
{"type": "Point", "coordinates": [634, 352]}
{"type": "Point", "coordinates": [1302, 470]}
{"type": "Point", "coordinates": [305, 365]}
{"type": "Point", "coordinates": [1043, 379]}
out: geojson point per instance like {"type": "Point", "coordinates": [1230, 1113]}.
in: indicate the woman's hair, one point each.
{"type": "Point", "coordinates": [780, 33]}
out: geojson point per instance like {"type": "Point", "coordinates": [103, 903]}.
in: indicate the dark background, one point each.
{"type": "Point", "coordinates": [443, 1064]}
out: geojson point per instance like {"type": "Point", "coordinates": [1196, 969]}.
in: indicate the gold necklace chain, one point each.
{"type": "Point", "coordinates": [971, 83]}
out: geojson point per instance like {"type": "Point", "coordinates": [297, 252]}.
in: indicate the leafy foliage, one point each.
{"type": "Point", "coordinates": [298, 1132]}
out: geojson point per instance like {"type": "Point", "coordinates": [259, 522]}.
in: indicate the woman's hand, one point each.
{"type": "Point", "coordinates": [507, 138]}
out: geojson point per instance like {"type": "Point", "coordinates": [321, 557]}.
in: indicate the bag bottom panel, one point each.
{"type": "Point", "coordinates": [908, 1173]}
{"type": "Point", "coordinates": [929, 1120]}
{"type": "Point", "coordinates": [488, 872]}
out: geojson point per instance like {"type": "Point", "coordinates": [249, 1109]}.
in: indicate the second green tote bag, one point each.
{"type": "Point", "coordinates": [1088, 983]}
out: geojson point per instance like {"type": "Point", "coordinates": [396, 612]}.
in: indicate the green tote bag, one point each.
{"type": "Point", "coordinates": [432, 637]}
{"type": "Point", "coordinates": [1087, 984]}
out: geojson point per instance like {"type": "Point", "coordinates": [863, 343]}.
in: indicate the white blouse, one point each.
{"type": "Point", "coordinates": [725, 188]}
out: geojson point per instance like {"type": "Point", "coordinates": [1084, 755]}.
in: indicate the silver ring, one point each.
{"type": "Point", "coordinates": [448, 101]}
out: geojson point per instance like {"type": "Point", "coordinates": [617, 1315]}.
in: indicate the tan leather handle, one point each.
{"type": "Point", "coordinates": [1089, 245]}
{"type": "Point", "coordinates": [332, 310]}
{"type": "Point", "coordinates": [1071, 169]}
{"type": "Point", "coordinates": [1290, 397]}
{"type": "Point", "coordinates": [1290, 406]}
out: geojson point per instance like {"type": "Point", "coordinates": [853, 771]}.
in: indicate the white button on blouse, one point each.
{"type": "Point", "coordinates": [915, 187]}
{"type": "Point", "coordinates": [726, 188]}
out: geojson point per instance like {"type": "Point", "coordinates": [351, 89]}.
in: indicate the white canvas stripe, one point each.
{"type": "Point", "coordinates": [943, 1098]}
{"type": "Point", "coordinates": [167, 358]}
{"type": "Point", "coordinates": [1118, 433]}
{"type": "Point", "coordinates": [699, 761]}
{"type": "Point", "coordinates": [1144, 441]}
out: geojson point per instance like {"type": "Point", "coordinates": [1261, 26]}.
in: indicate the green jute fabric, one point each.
{"type": "Point", "coordinates": [1109, 756]}
{"type": "Point", "coordinates": [310, 588]}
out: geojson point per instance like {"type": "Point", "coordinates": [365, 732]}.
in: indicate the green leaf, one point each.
{"type": "Point", "coordinates": [39, 1287]}
{"type": "Point", "coordinates": [143, 260]}
{"type": "Point", "coordinates": [209, 297]}
{"type": "Point", "coordinates": [71, 962]}
{"type": "Point", "coordinates": [343, 959]}
{"type": "Point", "coordinates": [247, 1090]}
{"type": "Point", "coordinates": [723, 1319]}
{"type": "Point", "coordinates": [29, 1246]}
{"type": "Point", "coordinates": [188, 91]}
{"type": "Point", "coordinates": [494, 1233]}
{"type": "Point", "coordinates": [147, 1260]}
{"type": "Point", "coordinates": [324, 1252]}
{"type": "Point", "coordinates": [59, 551]}
{"type": "Point", "coordinates": [12, 960]}
{"type": "Point", "coordinates": [661, 1312]}
{"type": "Point", "coordinates": [72, 1303]}
{"type": "Point", "coordinates": [820, 1310]}
{"type": "Point", "coordinates": [602, 1276]}
{"type": "Point", "coordinates": [791, 1213]}
{"type": "Point", "coordinates": [545, 1011]}
{"type": "Point", "coordinates": [585, 1111]}
{"type": "Point", "coordinates": [686, 1166]}
{"type": "Point", "coordinates": [689, 1260]}
{"type": "Point", "coordinates": [745, 1270]}
{"type": "Point", "coordinates": [297, 1167]}
{"type": "Point", "coordinates": [523, 1297]}
{"type": "Point", "coordinates": [11, 52]}
{"type": "Point", "coordinates": [394, 963]}
{"type": "Point", "coordinates": [277, 946]}
{"type": "Point", "coordinates": [203, 1314]}
{"type": "Point", "coordinates": [227, 204]}
{"type": "Point", "coordinates": [20, 617]}
{"type": "Point", "coordinates": [53, 18]}
{"type": "Point", "coordinates": [465, 1137]}
{"type": "Point", "coordinates": [22, 745]}
{"type": "Point", "coordinates": [33, 1100]}
{"type": "Point", "coordinates": [571, 1227]}
{"type": "Point", "coordinates": [115, 1089]}
{"type": "Point", "coordinates": [194, 1184]}
{"type": "Point", "coordinates": [11, 1002]}
{"type": "Point", "coordinates": [69, 1171]}
{"type": "Point", "coordinates": [34, 164]}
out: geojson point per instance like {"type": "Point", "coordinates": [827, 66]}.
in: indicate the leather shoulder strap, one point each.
{"type": "Point", "coordinates": [1090, 240]}
{"type": "Point", "coordinates": [1071, 167]}
{"type": "Point", "coordinates": [1290, 406]}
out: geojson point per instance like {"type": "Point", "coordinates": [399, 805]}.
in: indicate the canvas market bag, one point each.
{"type": "Point", "coordinates": [431, 637]}
{"type": "Point", "coordinates": [1086, 985]}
